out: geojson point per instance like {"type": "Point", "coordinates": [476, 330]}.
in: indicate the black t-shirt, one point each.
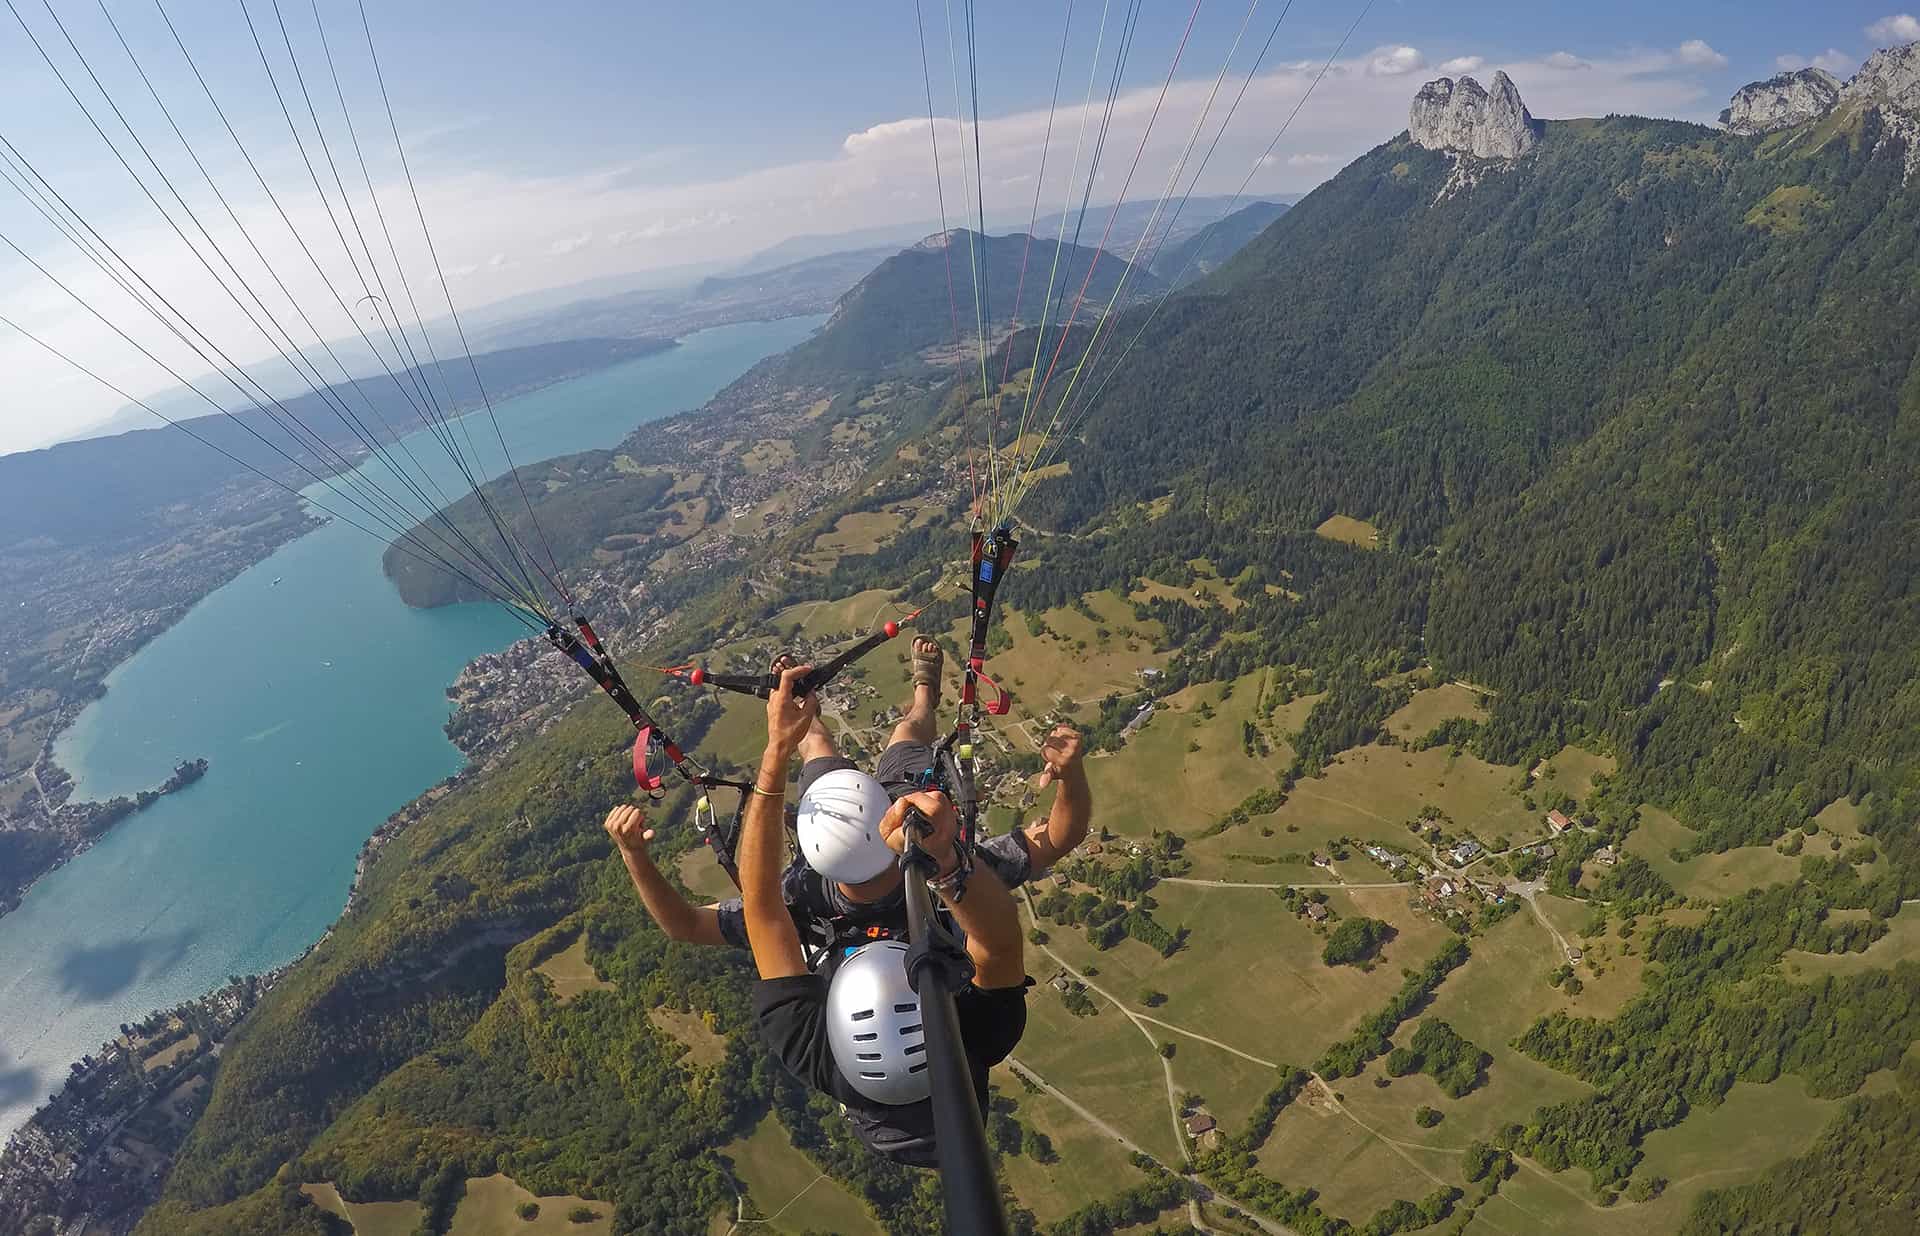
{"type": "Point", "coordinates": [792, 1012]}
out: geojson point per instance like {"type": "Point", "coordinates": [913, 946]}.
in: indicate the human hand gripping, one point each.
{"type": "Point", "coordinates": [789, 715]}
{"type": "Point", "coordinates": [943, 826]}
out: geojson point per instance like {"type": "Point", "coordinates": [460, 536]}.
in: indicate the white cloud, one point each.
{"type": "Point", "coordinates": [1565, 61]}
{"type": "Point", "coordinates": [496, 226]}
{"type": "Point", "coordinates": [1463, 64]}
{"type": "Point", "coordinates": [1833, 60]}
{"type": "Point", "coordinates": [570, 244]}
{"type": "Point", "coordinates": [1699, 54]}
{"type": "Point", "coordinates": [1898, 28]}
{"type": "Point", "coordinates": [1395, 61]}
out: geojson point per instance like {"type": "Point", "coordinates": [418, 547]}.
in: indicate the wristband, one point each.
{"type": "Point", "coordinates": [952, 886]}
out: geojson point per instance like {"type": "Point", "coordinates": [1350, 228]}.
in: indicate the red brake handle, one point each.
{"type": "Point", "coordinates": [647, 779]}
{"type": "Point", "coordinates": [1002, 702]}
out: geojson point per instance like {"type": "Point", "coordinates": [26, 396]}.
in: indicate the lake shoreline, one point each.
{"type": "Point", "coordinates": [76, 840]}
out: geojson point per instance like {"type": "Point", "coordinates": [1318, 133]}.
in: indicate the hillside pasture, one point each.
{"type": "Point", "coordinates": [1159, 780]}
{"type": "Point", "coordinates": [1715, 877]}
{"type": "Point", "coordinates": [789, 1194]}
{"type": "Point", "coordinates": [1089, 1165]}
{"type": "Point", "coordinates": [570, 972]}
{"type": "Point", "coordinates": [1349, 531]}
{"type": "Point", "coordinates": [367, 1218]}
{"type": "Point", "coordinates": [490, 1208]}
{"type": "Point", "coordinates": [1432, 705]}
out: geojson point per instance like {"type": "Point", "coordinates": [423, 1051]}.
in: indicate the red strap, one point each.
{"type": "Point", "coordinates": [1002, 702]}
{"type": "Point", "coordinates": [642, 774]}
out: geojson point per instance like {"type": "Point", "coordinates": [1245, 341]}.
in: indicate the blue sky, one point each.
{"type": "Point", "coordinates": [555, 143]}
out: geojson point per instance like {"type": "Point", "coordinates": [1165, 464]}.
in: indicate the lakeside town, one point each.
{"type": "Point", "coordinates": [93, 1158]}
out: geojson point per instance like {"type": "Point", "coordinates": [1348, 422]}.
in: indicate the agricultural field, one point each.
{"type": "Point", "coordinates": [788, 1193]}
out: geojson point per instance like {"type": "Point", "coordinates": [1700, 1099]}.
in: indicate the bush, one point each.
{"type": "Point", "coordinates": [1426, 1117]}
{"type": "Point", "coordinates": [582, 1214]}
{"type": "Point", "coordinates": [528, 1211]}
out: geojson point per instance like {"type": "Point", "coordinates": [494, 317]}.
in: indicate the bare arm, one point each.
{"type": "Point", "coordinates": [770, 930]}
{"type": "Point", "coordinates": [694, 924]}
{"type": "Point", "coordinates": [1066, 825]}
{"type": "Point", "coordinates": [985, 910]}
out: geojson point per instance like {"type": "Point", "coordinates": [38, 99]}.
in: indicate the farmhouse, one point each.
{"type": "Point", "coordinates": [1466, 852]}
{"type": "Point", "coordinates": [1606, 854]}
{"type": "Point", "coordinates": [1557, 822]}
{"type": "Point", "coordinates": [1199, 1124]}
{"type": "Point", "coordinates": [1316, 912]}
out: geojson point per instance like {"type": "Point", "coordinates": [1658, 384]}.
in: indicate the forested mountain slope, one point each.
{"type": "Point", "coordinates": [907, 304]}
{"type": "Point", "coordinates": [1643, 405]}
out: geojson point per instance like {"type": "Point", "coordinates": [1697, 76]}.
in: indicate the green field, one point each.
{"type": "Point", "coordinates": [1433, 705]}
{"type": "Point", "coordinates": [1573, 770]}
{"type": "Point", "coordinates": [489, 1209]}
{"type": "Point", "coordinates": [1350, 531]}
{"type": "Point", "coordinates": [570, 972]}
{"type": "Point", "coordinates": [1355, 1170]}
{"type": "Point", "coordinates": [368, 1218]}
{"type": "Point", "coordinates": [690, 1030]}
{"type": "Point", "coordinates": [789, 1193]}
{"type": "Point", "coordinates": [1090, 1166]}
{"type": "Point", "coordinates": [1901, 943]}
{"type": "Point", "coordinates": [1712, 876]}
{"type": "Point", "coordinates": [1158, 782]}
{"type": "Point", "coordinates": [1103, 1062]}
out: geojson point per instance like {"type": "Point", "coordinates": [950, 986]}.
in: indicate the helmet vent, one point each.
{"type": "Point", "coordinates": [868, 1037]}
{"type": "Point", "coordinates": [917, 1066]}
{"type": "Point", "coordinates": [863, 1015]}
{"type": "Point", "coordinates": [915, 1028]}
{"type": "Point", "coordinates": [913, 1049]}
{"type": "Point", "coordinates": [867, 1055]}
{"type": "Point", "coordinates": [877, 1076]}
{"type": "Point", "coordinates": [906, 1008]}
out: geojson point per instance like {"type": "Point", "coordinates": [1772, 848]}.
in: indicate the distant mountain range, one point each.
{"type": "Point", "coordinates": [804, 274]}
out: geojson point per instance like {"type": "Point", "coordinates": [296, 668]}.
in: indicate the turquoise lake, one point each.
{"type": "Point", "coordinates": [319, 703]}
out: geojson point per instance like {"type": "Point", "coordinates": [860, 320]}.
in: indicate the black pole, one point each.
{"type": "Point", "coordinates": [936, 965]}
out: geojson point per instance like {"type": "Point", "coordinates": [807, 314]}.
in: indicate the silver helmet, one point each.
{"type": "Point", "coordinates": [873, 1025]}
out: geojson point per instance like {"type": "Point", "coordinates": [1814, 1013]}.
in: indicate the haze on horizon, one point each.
{"type": "Point", "coordinates": [578, 145]}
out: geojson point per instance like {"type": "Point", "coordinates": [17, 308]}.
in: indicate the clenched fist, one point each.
{"type": "Point", "coordinates": [627, 825]}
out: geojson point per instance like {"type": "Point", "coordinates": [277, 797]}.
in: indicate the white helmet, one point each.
{"type": "Point", "coordinates": [873, 1025]}
{"type": "Point", "coordinates": [839, 826]}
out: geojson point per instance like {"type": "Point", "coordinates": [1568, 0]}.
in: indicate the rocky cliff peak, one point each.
{"type": "Point", "coordinates": [1464, 117]}
{"type": "Point", "coordinates": [1889, 76]}
{"type": "Point", "coordinates": [1781, 102]}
